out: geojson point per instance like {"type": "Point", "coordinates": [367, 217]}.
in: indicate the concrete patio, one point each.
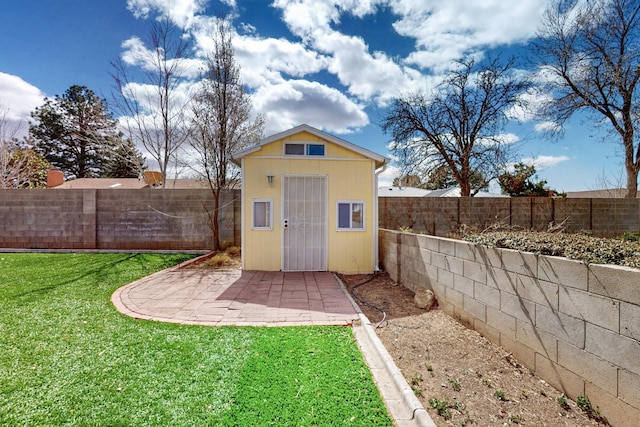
{"type": "Point", "coordinates": [235, 297]}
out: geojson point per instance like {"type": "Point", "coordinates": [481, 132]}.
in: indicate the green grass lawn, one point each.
{"type": "Point", "coordinates": [67, 357]}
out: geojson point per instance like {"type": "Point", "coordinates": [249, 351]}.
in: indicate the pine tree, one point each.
{"type": "Point", "coordinates": [75, 132]}
{"type": "Point", "coordinates": [126, 161]}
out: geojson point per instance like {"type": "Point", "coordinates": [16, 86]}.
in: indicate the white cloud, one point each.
{"type": "Point", "coordinates": [295, 102]}
{"type": "Point", "coordinates": [542, 162]}
{"type": "Point", "coordinates": [264, 60]}
{"type": "Point", "coordinates": [443, 32]}
{"type": "Point", "coordinates": [506, 138]}
{"type": "Point", "coordinates": [181, 12]}
{"type": "Point", "coordinates": [281, 71]}
{"type": "Point", "coordinates": [365, 75]}
{"type": "Point", "coordinates": [448, 30]}
{"type": "Point", "coordinates": [385, 179]}
{"type": "Point", "coordinates": [547, 126]}
{"type": "Point", "coordinates": [17, 100]}
{"type": "Point", "coordinates": [308, 19]}
{"type": "Point", "coordinates": [137, 54]}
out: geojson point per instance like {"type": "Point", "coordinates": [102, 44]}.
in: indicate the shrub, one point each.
{"type": "Point", "coordinates": [219, 260]}
{"type": "Point", "coordinates": [233, 251]}
{"type": "Point", "coordinates": [577, 246]}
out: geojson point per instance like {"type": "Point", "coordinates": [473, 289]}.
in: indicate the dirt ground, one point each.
{"type": "Point", "coordinates": [460, 377]}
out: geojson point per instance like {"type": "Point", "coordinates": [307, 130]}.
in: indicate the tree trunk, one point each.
{"type": "Point", "coordinates": [632, 182]}
{"type": "Point", "coordinates": [465, 189]}
{"type": "Point", "coordinates": [630, 163]}
{"type": "Point", "coordinates": [215, 226]}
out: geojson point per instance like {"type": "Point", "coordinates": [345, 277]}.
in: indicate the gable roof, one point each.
{"type": "Point", "coordinates": [378, 159]}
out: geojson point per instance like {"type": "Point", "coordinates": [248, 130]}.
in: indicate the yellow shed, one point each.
{"type": "Point", "coordinates": [309, 203]}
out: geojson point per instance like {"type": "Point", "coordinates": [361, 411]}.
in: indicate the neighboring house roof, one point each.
{"type": "Point", "coordinates": [445, 192]}
{"type": "Point", "coordinates": [614, 193]}
{"type": "Point", "coordinates": [402, 192]}
{"type": "Point", "coordinates": [455, 192]}
{"type": "Point", "coordinates": [127, 184]}
{"type": "Point", "coordinates": [100, 183]}
{"type": "Point", "coordinates": [419, 192]}
{"type": "Point", "coordinates": [185, 184]}
{"type": "Point", "coordinates": [379, 160]}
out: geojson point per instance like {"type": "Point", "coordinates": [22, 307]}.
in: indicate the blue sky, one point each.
{"type": "Point", "coordinates": [333, 64]}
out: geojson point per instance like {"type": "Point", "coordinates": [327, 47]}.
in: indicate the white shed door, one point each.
{"type": "Point", "coordinates": [304, 213]}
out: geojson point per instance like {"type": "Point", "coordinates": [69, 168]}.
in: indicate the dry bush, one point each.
{"type": "Point", "coordinates": [233, 251]}
{"type": "Point", "coordinates": [219, 260]}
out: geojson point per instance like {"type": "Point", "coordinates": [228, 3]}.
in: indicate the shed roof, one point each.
{"type": "Point", "coordinates": [377, 158]}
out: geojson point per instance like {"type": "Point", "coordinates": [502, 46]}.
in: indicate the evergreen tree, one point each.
{"type": "Point", "coordinates": [126, 162]}
{"type": "Point", "coordinates": [520, 183]}
{"type": "Point", "coordinates": [75, 132]}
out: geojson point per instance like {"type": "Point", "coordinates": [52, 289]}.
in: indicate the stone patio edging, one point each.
{"type": "Point", "coordinates": [402, 403]}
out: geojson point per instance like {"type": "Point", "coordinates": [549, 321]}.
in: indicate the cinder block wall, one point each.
{"type": "Point", "coordinates": [575, 325]}
{"type": "Point", "coordinates": [441, 216]}
{"type": "Point", "coordinates": [44, 219]}
{"type": "Point", "coordinates": [115, 219]}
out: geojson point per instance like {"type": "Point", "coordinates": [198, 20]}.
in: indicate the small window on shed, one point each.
{"type": "Point", "coordinates": [262, 214]}
{"type": "Point", "coordinates": [294, 149]}
{"type": "Point", "coordinates": [303, 149]}
{"type": "Point", "coordinates": [350, 215]}
{"type": "Point", "coordinates": [315, 149]}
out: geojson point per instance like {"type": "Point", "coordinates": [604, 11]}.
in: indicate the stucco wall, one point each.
{"type": "Point", "coordinates": [440, 216]}
{"type": "Point", "coordinates": [114, 219]}
{"type": "Point", "coordinates": [575, 325]}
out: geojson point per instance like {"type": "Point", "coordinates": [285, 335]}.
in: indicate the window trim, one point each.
{"type": "Point", "coordinates": [306, 145]}
{"type": "Point", "coordinates": [269, 218]}
{"type": "Point", "coordinates": [351, 203]}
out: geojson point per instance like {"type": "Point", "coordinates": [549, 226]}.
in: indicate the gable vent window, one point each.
{"type": "Point", "coordinates": [302, 149]}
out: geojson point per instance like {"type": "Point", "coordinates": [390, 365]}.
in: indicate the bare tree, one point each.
{"type": "Point", "coordinates": [154, 109]}
{"type": "Point", "coordinates": [222, 120]}
{"type": "Point", "coordinates": [590, 54]}
{"type": "Point", "coordinates": [9, 173]}
{"type": "Point", "coordinates": [458, 126]}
